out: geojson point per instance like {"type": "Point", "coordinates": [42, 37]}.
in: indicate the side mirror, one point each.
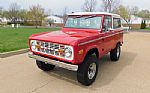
{"type": "Point", "coordinates": [104, 28]}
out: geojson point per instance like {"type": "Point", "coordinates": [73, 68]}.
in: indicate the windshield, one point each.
{"type": "Point", "coordinates": [84, 22]}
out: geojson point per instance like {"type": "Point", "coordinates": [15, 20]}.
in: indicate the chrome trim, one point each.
{"type": "Point", "coordinates": [90, 41]}
{"type": "Point", "coordinates": [52, 49]}
{"type": "Point", "coordinates": [54, 62]}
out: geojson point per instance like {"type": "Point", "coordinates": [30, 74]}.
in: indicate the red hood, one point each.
{"type": "Point", "coordinates": [63, 37]}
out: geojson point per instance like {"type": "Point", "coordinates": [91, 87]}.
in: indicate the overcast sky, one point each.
{"type": "Point", "coordinates": [73, 5]}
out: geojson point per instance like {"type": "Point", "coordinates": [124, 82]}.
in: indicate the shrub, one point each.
{"type": "Point", "coordinates": [143, 24]}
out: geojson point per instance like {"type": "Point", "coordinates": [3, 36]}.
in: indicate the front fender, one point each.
{"type": "Point", "coordinates": [89, 48]}
{"type": "Point", "coordinates": [86, 48]}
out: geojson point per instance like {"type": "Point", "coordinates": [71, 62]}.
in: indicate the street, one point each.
{"type": "Point", "coordinates": [131, 74]}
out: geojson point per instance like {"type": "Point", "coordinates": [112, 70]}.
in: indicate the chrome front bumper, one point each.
{"type": "Point", "coordinates": [54, 62]}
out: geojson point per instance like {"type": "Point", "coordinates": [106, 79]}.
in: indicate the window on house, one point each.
{"type": "Point", "coordinates": [116, 23]}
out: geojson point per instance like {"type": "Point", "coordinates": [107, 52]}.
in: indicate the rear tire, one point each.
{"type": "Point", "coordinates": [88, 70]}
{"type": "Point", "coordinates": [115, 53]}
{"type": "Point", "coordinates": [43, 66]}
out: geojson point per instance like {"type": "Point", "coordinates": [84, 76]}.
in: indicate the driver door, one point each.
{"type": "Point", "coordinates": [106, 33]}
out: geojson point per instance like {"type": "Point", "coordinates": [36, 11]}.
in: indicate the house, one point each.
{"type": "Point", "coordinates": [3, 21]}
{"type": "Point", "coordinates": [54, 20]}
{"type": "Point", "coordinates": [147, 20]}
{"type": "Point", "coordinates": [135, 22]}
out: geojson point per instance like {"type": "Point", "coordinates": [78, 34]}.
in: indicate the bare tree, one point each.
{"type": "Point", "coordinates": [89, 5]}
{"type": "Point", "coordinates": [123, 12]}
{"type": "Point", "coordinates": [144, 13]}
{"type": "Point", "coordinates": [36, 14]}
{"type": "Point", "coordinates": [133, 10]}
{"type": "Point", "coordinates": [23, 15]}
{"type": "Point", "coordinates": [110, 5]}
{"type": "Point", "coordinates": [49, 12]}
{"type": "Point", "coordinates": [13, 11]}
{"type": "Point", "coordinates": [65, 11]}
{"type": "Point", "coordinates": [1, 11]}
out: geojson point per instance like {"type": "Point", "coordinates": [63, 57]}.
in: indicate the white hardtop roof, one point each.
{"type": "Point", "coordinates": [94, 13]}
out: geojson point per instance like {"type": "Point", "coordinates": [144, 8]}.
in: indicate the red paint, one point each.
{"type": "Point", "coordinates": [74, 37]}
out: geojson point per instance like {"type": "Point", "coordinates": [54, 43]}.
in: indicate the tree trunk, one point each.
{"type": "Point", "coordinates": [36, 24]}
{"type": "Point", "coordinates": [127, 23]}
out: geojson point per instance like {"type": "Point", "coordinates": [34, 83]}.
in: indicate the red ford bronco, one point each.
{"type": "Point", "coordinates": [84, 38]}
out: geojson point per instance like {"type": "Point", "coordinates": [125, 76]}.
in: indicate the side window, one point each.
{"type": "Point", "coordinates": [107, 23]}
{"type": "Point", "coordinates": [116, 23]}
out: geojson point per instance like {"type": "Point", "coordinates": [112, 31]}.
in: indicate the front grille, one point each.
{"type": "Point", "coordinates": [50, 48]}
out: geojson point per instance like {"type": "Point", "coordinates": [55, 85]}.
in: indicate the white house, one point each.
{"type": "Point", "coordinates": [56, 19]}
{"type": "Point", "coordinates": [147, 21]}
{"type": "Point", "coordinates": [135, 21]}
{"type": "Point", "coordinates": [3, 20]}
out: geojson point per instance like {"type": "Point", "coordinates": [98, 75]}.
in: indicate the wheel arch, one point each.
{"type": "Point", "coordinates": [91, 51]}
{"type": "Point", "coordinates": [119, 43]}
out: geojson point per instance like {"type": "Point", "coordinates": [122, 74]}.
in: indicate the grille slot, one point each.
{"type": "Point", "coordinates": [51, 48]}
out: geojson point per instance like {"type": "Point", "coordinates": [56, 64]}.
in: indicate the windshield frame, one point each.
{"type": "Point", "coordinates": [88, 16]}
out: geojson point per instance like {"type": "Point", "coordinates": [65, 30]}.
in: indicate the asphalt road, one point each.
{"type": "Point", "coordinates": [131, 74]}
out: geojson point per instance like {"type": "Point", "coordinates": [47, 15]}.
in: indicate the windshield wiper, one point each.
{"type": "Point", "coordinates": [78, 16]}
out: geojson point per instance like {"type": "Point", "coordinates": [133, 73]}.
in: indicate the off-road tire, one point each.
{"type": "Point", "coordinates": [83, 70]}
{"type": "Point", "coordinates": [43, 66]}
{"type": "Point", "coordinates": [115, 53]}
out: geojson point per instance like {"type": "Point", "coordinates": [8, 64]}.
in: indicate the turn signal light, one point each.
{"type": "Point", "coordinates": [80, 52]}
{"type": "Point", "coordinates": [61, 51]}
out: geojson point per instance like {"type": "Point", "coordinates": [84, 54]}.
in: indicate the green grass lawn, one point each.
{"type": "Point", "coordinates": [17, 38]}
{"type": "Point", "coordinates": [147, 29]}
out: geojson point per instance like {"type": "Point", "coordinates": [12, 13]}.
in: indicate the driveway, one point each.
{"type": "Point", "coordinates": [131, 74]}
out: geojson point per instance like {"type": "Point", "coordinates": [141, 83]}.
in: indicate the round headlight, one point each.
{"type": "Point", "coordinates": [33, 44]}
{"type": "Point", "coordinates": [68, 52]}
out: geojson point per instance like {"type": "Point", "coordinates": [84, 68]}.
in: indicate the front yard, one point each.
{"type": "Point", "coordinates": [147, 29]}
{"type": "Point", "coordinates": [17, 38]}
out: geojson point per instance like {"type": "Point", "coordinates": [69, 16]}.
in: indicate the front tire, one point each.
{"type": "Point", "coordinates": [115, 53]}
{"type": "Point", "coordinates": [43, 66]}
{"type": "Point", "coordinates": [88, 70]}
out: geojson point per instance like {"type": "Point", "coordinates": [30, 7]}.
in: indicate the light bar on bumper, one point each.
{"type": "Point", "coordinates": [54, 62]}
{"type": "Point", "coordinates": [53, 49]}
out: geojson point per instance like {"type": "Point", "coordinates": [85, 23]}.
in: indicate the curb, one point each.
{"type": "Point", "coordinates": [8, 54]}
{"type": "Point", "coordinates": [140, 31]}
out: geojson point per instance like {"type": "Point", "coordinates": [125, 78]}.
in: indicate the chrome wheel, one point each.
{"type": "Point", "coordinates": [92, 71]}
